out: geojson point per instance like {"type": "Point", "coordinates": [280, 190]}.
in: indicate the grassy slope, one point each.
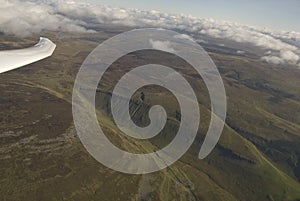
{"type": "Point", "coordinates": [47, 161]}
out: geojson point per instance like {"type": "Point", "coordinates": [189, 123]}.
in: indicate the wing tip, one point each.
{"type": "Point", "coordinates": [45, 41]}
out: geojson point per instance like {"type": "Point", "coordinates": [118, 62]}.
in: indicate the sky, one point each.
{"type": "Point", "coordinates": [26, 17]}
{"type": "Point", "coordinates": [275, 14]}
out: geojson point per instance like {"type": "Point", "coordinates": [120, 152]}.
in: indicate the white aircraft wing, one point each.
{"type": "Point", "coordinates": [12, 59]}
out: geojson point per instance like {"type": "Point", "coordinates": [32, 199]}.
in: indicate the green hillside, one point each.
{"type": "Point", "coordinates": [42, 158]}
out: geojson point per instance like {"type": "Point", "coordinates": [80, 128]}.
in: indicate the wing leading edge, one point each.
{"type": "Point", "coordinates": [12, 59]}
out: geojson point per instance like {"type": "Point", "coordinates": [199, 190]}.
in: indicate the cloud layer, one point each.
{"type": "Point", "coordinates": [23, 18]}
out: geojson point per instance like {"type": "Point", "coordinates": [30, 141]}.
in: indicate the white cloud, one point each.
{"type": "Point", "coordinates": [33, 16]}
{"type": "Point", "coordinates": [184, 36]}
{"type": "Point", "coordinates": [268, 52]}
{"type": "Point", "coordinates": [24, 18]}
{"type": "Point", "coordinates": [290, 56]}
{"type": "Point", "coordinates": [273, 59]}
{"type": "Point", "coordinates": [240, 52]}
{"type": "Point", "coordinates": [162, 45]}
